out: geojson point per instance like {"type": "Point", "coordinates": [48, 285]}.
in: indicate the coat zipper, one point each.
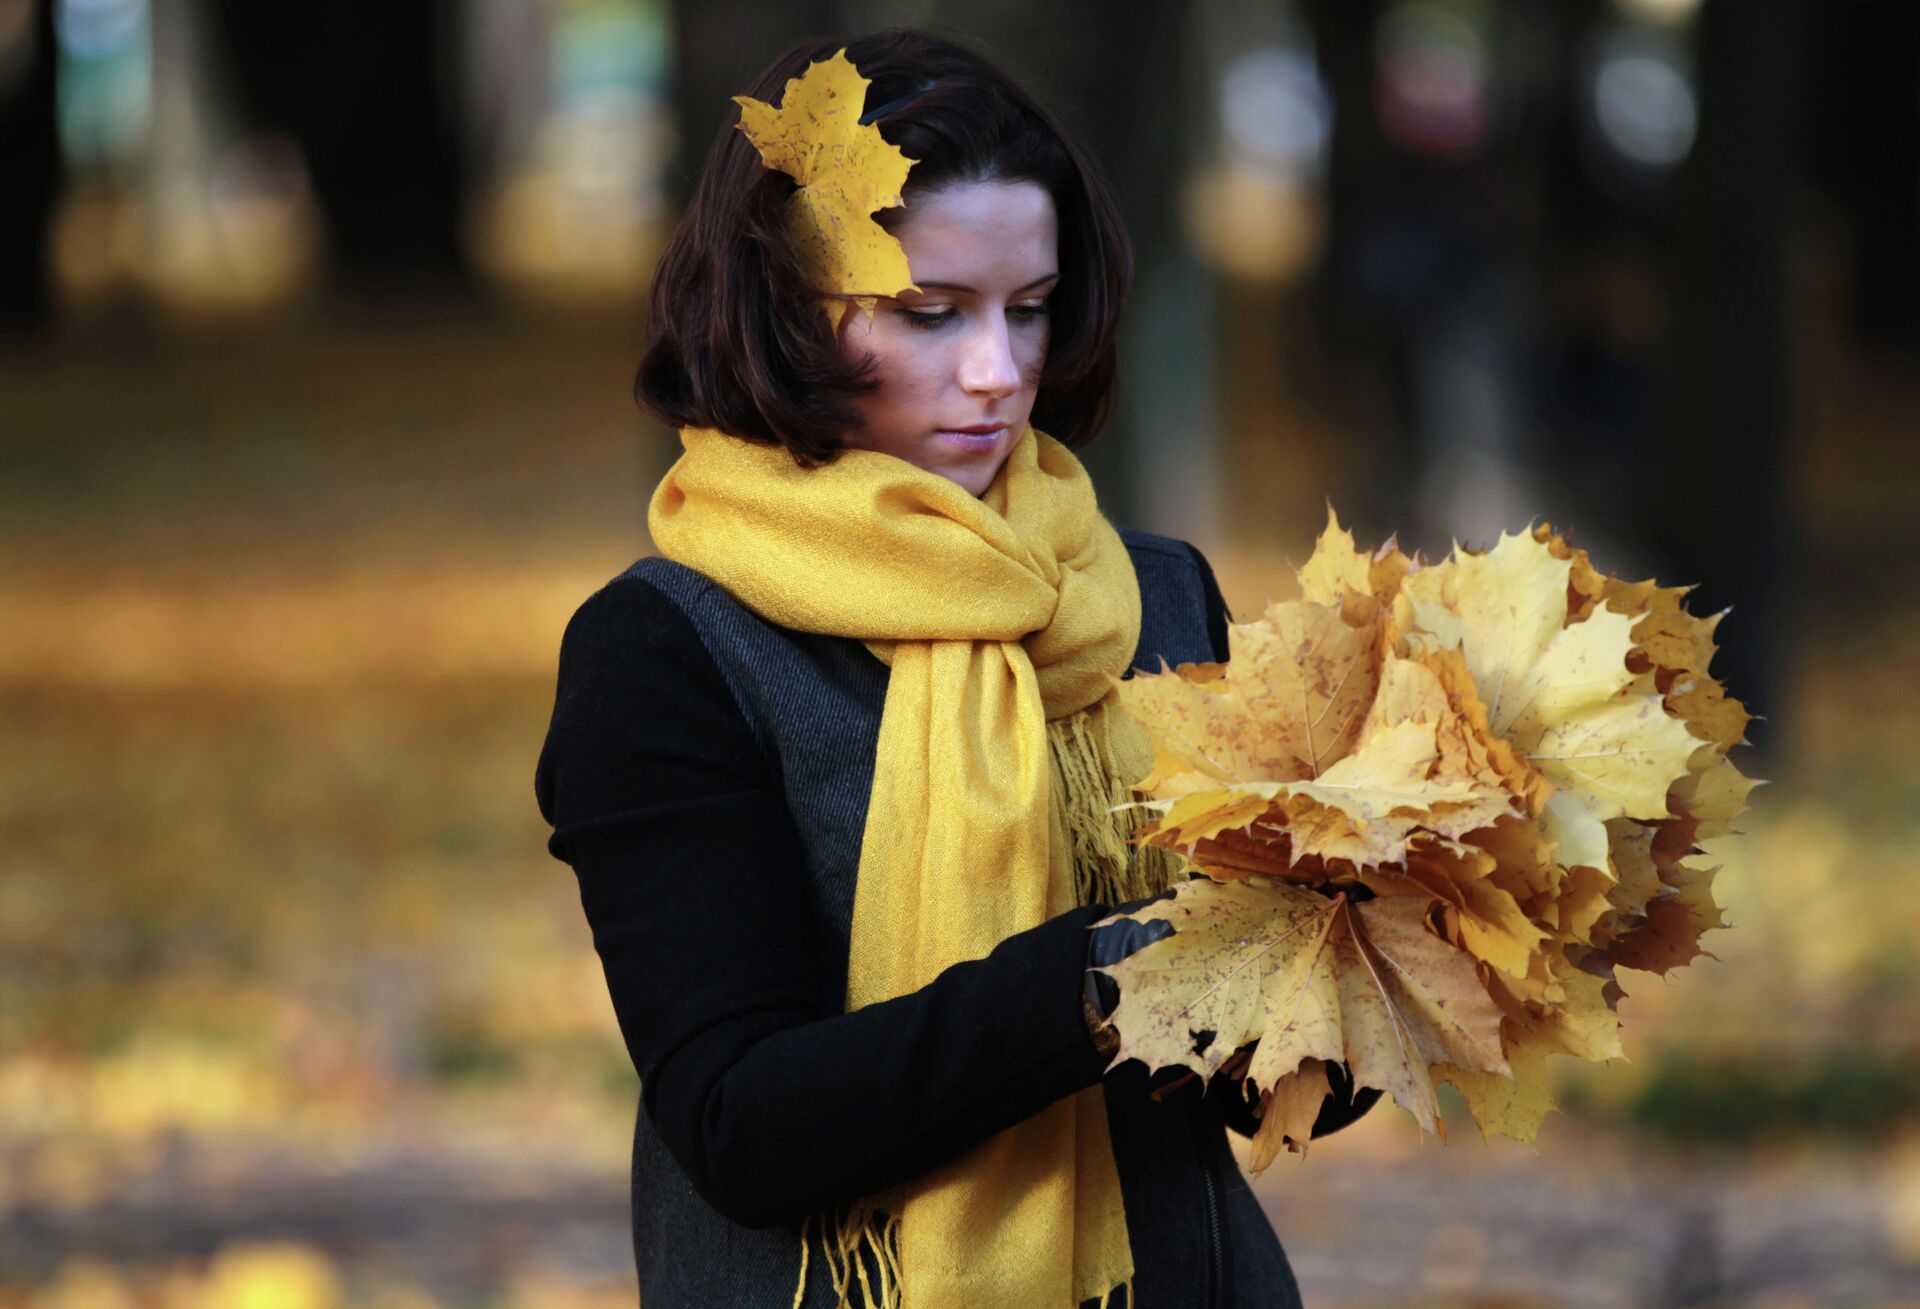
{"type": "Point", "coordinates": [1215, 1271]}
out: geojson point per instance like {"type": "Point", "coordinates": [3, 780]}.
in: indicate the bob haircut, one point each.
{"type": "Point", "coordinates": [737, 339]}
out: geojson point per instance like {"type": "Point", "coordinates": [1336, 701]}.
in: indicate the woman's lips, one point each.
{"type": "Point", "coordinates": [973, 440]}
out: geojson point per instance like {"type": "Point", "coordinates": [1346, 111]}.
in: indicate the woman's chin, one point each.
{"type": "Point", "coordinates": [967, 479]}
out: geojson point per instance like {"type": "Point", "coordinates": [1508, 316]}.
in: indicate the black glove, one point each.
{"type": "Point", "coordinates": [1108, 945]}
{"type": "Point", "coordinates": [1100, 995]}
{"type": "Point", "coordinates": [1342, 1106]}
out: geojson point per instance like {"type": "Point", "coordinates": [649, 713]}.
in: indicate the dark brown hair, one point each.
{"type": "Point", "coordinates": [737, 338]}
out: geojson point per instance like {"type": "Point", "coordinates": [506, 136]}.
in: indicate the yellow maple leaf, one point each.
{"type": "Point", "coordinates": [1288, 703]}
{"type": "Point", "coordinates": [1291, 701]}
{"type": "Point", "coordinates": [1585, 585]}
{"type": "Point", "coordinates": [1512, 1106]}
{"type": "Point", "coordinates": [1365, 808]}
{"type": "Point", "coordinates": [1528, 755]}
{"type": "Point", "coordinates": [1715, 796]}
{"type": "Point", "coordinates": [1672, 645]}
{"type": "Point", "coordinates": [1257, 850]}
{"type": "Point", "coordinates": [1309, 978]}
{"type": "Point", "coordinates": [1493, 926]}
{"type": "Point", "coordinates": [1506, 611]}
{"type": "Point", "coordinates": [1663, 629]}
{"type": "Point", "coordinates": [1436, 687]}
{"type": "Point", "coordinates": [1580, 904]}
{"type": "Point", "coordinates": [1554, 691]}
{"type": "Point", "coordinates": [1560, 1004]}
{"type": "Point", "coordinates": [1709, 712]}
{"type": "Point", "coordinates": [1636, 879]}
{"type": "Point", "coordinates": [1660, 903]}
{"type": "Point", "coordinates": [1523, 859]}
{"type": "Point", "coordinates": [1205, 815]}
{"type": "Point", "coordinates": [1559, 1008]}
{"type": "Point", "coordinates": [1211, 977]}
{"type": "Point", "coordinates": [1337, 568]}
{"type": "Point", "coordinates": [1607, 761]}
{"type": "Point", "coordinates": [846, 171]}
{"type": "Point", "coordinates": [1669, 930]}
{"type": "Point", "coordinates": [1288, 1112]}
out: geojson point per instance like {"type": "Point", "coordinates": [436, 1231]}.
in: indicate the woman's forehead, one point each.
{"type": "Point", "coordinates": [980, 235]}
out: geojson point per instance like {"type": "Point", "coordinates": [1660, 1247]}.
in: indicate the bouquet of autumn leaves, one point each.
{"type": "Point", "coordinates": [1437, 806]}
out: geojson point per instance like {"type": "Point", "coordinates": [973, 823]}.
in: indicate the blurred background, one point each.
{"type": "Point", "coordinates": [319, 325]}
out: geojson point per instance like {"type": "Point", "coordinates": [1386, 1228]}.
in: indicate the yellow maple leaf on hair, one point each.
{"type": "Point", "coordinates": [846, 171]}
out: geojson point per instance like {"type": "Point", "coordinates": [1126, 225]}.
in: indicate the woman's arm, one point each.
{"type": "Point", "coordinates": [691, 877]}
{"type": "Point", "coordinates": [1341, 1107]}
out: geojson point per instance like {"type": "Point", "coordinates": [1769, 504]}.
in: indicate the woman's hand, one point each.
{"type": "Point", "coordinates": [1108, 945]}
{"type": "Point", "coordinates": [1100, 996]}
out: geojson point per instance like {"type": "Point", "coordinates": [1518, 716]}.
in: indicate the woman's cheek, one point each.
{"type": "Point", "coordinates": [1035, 362]}
{"type": "Point", "coordinates": [908, 364]}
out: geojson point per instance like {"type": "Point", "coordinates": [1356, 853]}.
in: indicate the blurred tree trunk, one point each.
{"type": "Point", "coordinates": [1430, 278]}
{"type": "Point", "coordinates": [369, 91]}
{"type": "Point", "coordinates": [1880, 141]}
{"type": "Point", "coordinates": [718, 46]}
{"type": "Point", "coordinates": [30, 143]}
{"type": "Point", "coordinates": [1360, 165]}
{"type": "Point", "coordinates": [1722, 499]}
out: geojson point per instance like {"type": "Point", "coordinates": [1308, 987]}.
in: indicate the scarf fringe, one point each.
{"type": "Point", "coordinates": [1110, 863]}
{"type": "Point", "coordinates": [849, 1239]}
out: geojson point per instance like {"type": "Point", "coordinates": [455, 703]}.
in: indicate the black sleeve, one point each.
{"type": "Point", "coordinates": [691, 877]}
{"type": "Point", "coordinates": [1342, 1106]}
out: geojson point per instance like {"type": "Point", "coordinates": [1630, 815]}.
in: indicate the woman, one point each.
{"type": "Point", "coordinates": [836, 772]}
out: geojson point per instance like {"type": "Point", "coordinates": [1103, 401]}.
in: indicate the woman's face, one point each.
{"type": "Point", "coordinates": [959, 361]}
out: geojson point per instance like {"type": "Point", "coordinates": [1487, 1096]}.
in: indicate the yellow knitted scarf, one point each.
{"type": "Point", "coordinates": [1001, 754]}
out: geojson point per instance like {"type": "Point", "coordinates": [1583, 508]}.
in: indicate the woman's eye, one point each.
{"type": "Point", "coordinates": [935, 317]}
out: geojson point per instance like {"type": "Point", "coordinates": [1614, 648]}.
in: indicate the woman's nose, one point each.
{"type": "Point", "coordinates": [987, 365]}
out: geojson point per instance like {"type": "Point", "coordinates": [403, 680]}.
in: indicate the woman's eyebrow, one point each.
{"type": "Point", "coordinates": [955, 286]}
